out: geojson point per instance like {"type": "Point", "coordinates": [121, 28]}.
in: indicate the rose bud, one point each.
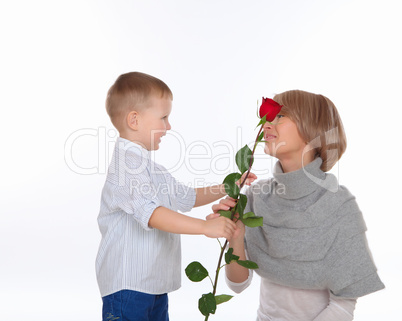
{"type": "Point", "coordinates": [270, 108]}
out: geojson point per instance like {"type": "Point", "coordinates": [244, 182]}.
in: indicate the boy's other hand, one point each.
{"type": "Point", "coordinates": [224, 204]}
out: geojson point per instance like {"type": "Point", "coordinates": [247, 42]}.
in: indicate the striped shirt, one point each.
{"type": "Point", "coordinates": [132, 255]}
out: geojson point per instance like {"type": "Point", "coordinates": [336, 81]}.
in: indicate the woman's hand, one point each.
{"type": "Point", "coordinates": [250, 178]}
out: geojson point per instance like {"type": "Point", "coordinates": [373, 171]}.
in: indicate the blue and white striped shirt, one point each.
{"type": "Point", "coordinates": [132, 255]}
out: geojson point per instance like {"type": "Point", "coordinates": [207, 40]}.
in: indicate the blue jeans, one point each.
{"type": "Point", "coordinates": [127, 305]}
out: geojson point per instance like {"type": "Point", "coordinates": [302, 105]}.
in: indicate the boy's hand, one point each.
{"type": "Point", "coordinates": [218, 226]}
{"type": "Point", "coordinates": [250, 178]}
{"type": "Point", "coordinates": [224, 204]}
{"type": "Point", "coordinates": [238, 233]}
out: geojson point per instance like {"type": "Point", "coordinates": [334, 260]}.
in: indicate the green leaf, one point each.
{"type": "Point", "coordinates": [196, 272]}
{"type": "Point", "coordinates": [231, 188]}
{"type": "Point", "coordinates": [259, 139]}
{"type": "Point", "coordinates": [252, 221]}
{"type": "Point", "coordinates": [262, 121]}
{"type": "Point", "coordinates": [248, 264]}
{"type": "Point", "coordinates": [230, 257]}
{"type": "Point", "coordinates": [243, 157]}
{"type": "Point", "coordinates": [241, 205]}
{"type": "Point", "coordinates": [222, 298]}
{"type": "Point", "coordinates": [227, 214]}
{"type": "Point", "coordinates": [248, 214]}
{"type": "Point", "coordinates": [207, 304]}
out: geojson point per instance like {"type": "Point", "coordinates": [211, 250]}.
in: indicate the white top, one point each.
{"type": "Point", "coordinates": [132, 255]}
{"type": "Point", "coordinates": [281, 303]}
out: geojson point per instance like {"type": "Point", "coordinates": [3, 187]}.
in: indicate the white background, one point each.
{"type": "Point", "coordinates": [219, 57]}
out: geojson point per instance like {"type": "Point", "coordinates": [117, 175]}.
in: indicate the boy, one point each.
{"type": "Point", "coordinates": [139, 257]}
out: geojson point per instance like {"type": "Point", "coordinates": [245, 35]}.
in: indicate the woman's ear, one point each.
{"type": "Point", "coordinates": [132, 120]}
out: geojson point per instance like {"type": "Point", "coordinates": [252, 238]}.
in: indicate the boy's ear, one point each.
{"type": "Point", "coordinates": [132, 120]}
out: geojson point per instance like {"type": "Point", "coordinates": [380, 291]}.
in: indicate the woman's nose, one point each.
{"type": "Point", "coordinates": [268, 125]}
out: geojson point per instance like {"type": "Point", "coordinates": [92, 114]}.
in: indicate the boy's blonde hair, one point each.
{"type": "Point", "coordinates": [131, 91]}
{"type": "Point", "coordinates": [318, 123]}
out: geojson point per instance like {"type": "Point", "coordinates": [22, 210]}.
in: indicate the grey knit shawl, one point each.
{"type": "Point", "coordinates": [313, 235]}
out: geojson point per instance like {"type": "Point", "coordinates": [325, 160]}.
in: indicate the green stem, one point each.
{"type": "Point", "coordinates": [219, 243]}
{"type": "Point", "coordinates": [217, 271]}
{"type": "Point", "coordinates": [252, 157]}
{"type": "Point", "coordinates": [218, 268]}
{"type": "Point", "coordinates": [211, 281]}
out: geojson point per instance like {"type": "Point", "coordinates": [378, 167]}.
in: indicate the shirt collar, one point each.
{"type": "Point", "coordinates": [129, 146]}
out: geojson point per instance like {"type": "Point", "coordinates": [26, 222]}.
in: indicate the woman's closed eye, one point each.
{"type": "Point", "coordinates": [277, 118]}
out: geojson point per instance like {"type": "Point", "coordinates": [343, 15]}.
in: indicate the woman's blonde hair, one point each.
{"type": "Point", "coordinates": [130, 92]}
{"type": "Point", "coordinates": [318, 123]}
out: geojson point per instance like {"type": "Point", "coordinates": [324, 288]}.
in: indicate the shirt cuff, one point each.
{"type": "Point", "coordinates": [147, 210]}
{"type": "Point", "coordinates": [239, 287]}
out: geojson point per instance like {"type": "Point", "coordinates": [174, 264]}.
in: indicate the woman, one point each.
{"type": "Point", "coordinates": [312, 252]}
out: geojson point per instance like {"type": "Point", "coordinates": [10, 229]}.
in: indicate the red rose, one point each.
{"type": "Point", "coordinates": [270, 108]}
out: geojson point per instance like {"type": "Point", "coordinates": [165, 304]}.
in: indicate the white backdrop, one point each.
{"type": "Point", "coordinates": [219, 57]}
